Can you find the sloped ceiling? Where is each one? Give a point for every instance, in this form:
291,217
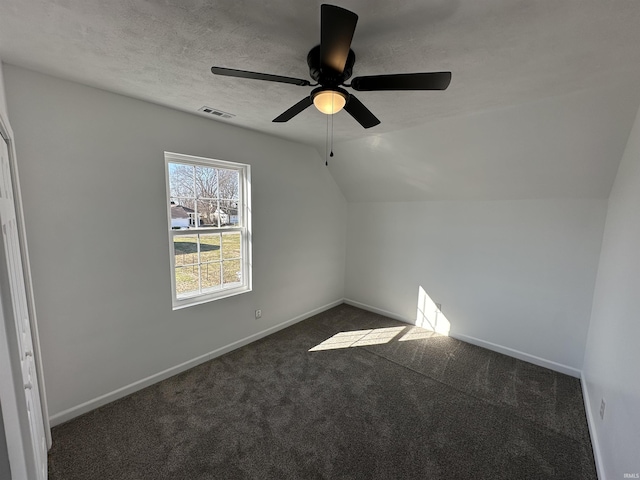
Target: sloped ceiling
501,52
563,147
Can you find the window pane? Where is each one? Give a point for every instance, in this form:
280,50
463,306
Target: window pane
207,210
230,245
210,275
229,184
230,209
232,271
188,204
206,182
185,248
182,213
210,248
181,180
187,281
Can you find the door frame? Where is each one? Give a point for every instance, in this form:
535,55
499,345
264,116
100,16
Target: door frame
9,384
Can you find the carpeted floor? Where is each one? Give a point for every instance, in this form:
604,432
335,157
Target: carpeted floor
346,394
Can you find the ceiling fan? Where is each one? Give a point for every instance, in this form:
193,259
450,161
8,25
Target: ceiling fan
331,64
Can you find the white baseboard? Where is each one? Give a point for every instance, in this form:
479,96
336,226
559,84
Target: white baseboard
527,357
85,407
379,311
542,362
592,430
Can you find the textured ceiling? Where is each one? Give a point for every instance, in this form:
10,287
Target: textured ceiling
501,53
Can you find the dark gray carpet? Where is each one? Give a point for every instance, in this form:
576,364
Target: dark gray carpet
417,406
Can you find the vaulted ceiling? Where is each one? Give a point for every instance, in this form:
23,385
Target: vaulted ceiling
503,54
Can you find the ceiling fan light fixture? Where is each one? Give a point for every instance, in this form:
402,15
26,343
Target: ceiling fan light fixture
330,101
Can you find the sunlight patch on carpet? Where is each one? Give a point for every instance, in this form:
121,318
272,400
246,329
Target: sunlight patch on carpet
359,338
418,334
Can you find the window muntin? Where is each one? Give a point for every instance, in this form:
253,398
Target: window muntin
209,228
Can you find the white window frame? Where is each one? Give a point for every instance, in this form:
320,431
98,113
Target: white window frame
244,228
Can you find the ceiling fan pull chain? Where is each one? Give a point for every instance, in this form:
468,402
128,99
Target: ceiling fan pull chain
332,96
326,144
331,154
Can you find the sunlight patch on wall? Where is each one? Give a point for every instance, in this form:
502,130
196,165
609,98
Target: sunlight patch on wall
359,338
429,316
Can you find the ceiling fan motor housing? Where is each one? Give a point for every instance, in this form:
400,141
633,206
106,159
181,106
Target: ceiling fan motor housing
327,77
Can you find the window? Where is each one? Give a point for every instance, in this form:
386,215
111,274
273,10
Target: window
209,218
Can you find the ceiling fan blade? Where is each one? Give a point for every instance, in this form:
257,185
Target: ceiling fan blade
403,81
293,111
336,32
230,72
361,113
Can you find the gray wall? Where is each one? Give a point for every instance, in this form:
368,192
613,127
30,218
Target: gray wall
518,274
612,359
5,469
93,185
498,215
3,100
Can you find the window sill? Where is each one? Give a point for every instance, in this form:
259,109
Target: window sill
211,297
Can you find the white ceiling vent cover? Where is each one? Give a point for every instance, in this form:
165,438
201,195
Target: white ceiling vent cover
215,112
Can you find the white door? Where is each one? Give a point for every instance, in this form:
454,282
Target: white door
18,298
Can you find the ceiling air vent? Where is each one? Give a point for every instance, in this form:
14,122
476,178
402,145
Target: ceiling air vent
215,112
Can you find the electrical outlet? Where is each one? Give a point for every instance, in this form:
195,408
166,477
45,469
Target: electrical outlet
602,406
258,313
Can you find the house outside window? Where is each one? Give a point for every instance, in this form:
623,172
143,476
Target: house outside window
209,219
